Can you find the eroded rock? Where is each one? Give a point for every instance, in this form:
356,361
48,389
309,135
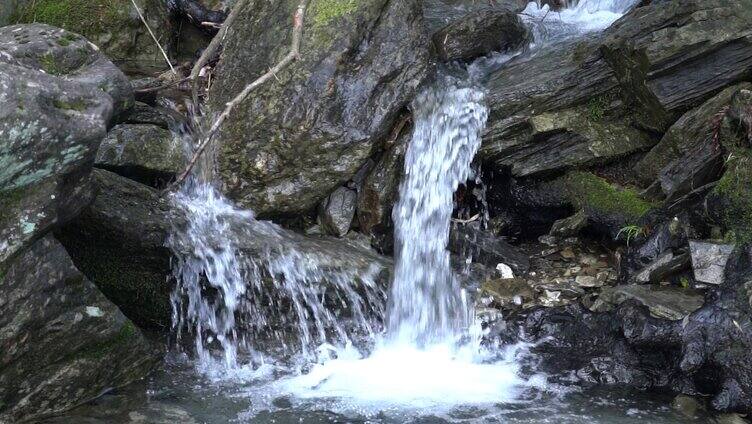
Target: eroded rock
480,33
709,260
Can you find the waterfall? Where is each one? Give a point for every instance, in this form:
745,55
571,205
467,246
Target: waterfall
426,303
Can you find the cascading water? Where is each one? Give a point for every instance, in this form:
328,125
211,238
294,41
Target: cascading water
429,356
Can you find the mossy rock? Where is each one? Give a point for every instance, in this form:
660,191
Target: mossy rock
609,208
113,25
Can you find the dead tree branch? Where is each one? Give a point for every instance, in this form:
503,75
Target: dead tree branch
213,47
294,54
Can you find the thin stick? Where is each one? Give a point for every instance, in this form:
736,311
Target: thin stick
213,46
294,54
154,37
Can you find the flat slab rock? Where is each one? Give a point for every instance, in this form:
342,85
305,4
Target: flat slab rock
668,302
709,261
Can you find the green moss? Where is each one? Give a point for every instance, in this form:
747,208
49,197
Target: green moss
49,65
77,105
590,192
325,11
86,17
736,189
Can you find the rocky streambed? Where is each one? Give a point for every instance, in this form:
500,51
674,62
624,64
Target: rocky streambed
606,232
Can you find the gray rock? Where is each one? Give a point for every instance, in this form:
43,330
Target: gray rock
63,342
666,264
482,246
142,113
569,226
687,156
308,131
50,129
64,54
668,302
709,260
338,211
146,153
440,13
129,223
480,33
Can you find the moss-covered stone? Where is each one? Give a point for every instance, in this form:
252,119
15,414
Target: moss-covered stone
113,25
596,195
324,11
735,187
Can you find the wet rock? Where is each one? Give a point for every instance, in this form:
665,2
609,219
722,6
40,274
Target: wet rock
50,129
663,77
709,261
484,247
687,406
338,211
569,226
688,146
67,55
63,342
480,33
665,265
508,292
114,27
440,13
146,153
142,113
299,137
128,223
672,303
378,194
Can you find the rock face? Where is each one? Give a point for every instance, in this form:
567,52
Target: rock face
63,342
439,13
480,33
298,137
482,246
114,26
145,153
709,261
64,54
128,223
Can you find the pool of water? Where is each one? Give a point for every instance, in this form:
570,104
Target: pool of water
176,393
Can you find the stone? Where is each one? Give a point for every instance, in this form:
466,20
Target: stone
468,240
146,153
142,113
480,33
338,211
129,223
665,265
682,143
287,147
50,129
569,226
508,291
668,302
588,281
440,13
505,271
63,342
64,54
114,26
709,261
662,74
688,406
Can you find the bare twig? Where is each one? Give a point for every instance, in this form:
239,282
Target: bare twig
294,54
212,48
161,87
154,37
466,221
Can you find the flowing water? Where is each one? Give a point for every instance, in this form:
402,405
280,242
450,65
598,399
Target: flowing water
274,332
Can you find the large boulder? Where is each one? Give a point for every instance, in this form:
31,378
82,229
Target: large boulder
114,26
62,342
129,223
440,13
50,129
67,55
480,33
311,128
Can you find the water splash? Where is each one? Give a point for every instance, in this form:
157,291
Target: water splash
582,17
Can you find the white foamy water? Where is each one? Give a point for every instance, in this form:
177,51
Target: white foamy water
584,17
